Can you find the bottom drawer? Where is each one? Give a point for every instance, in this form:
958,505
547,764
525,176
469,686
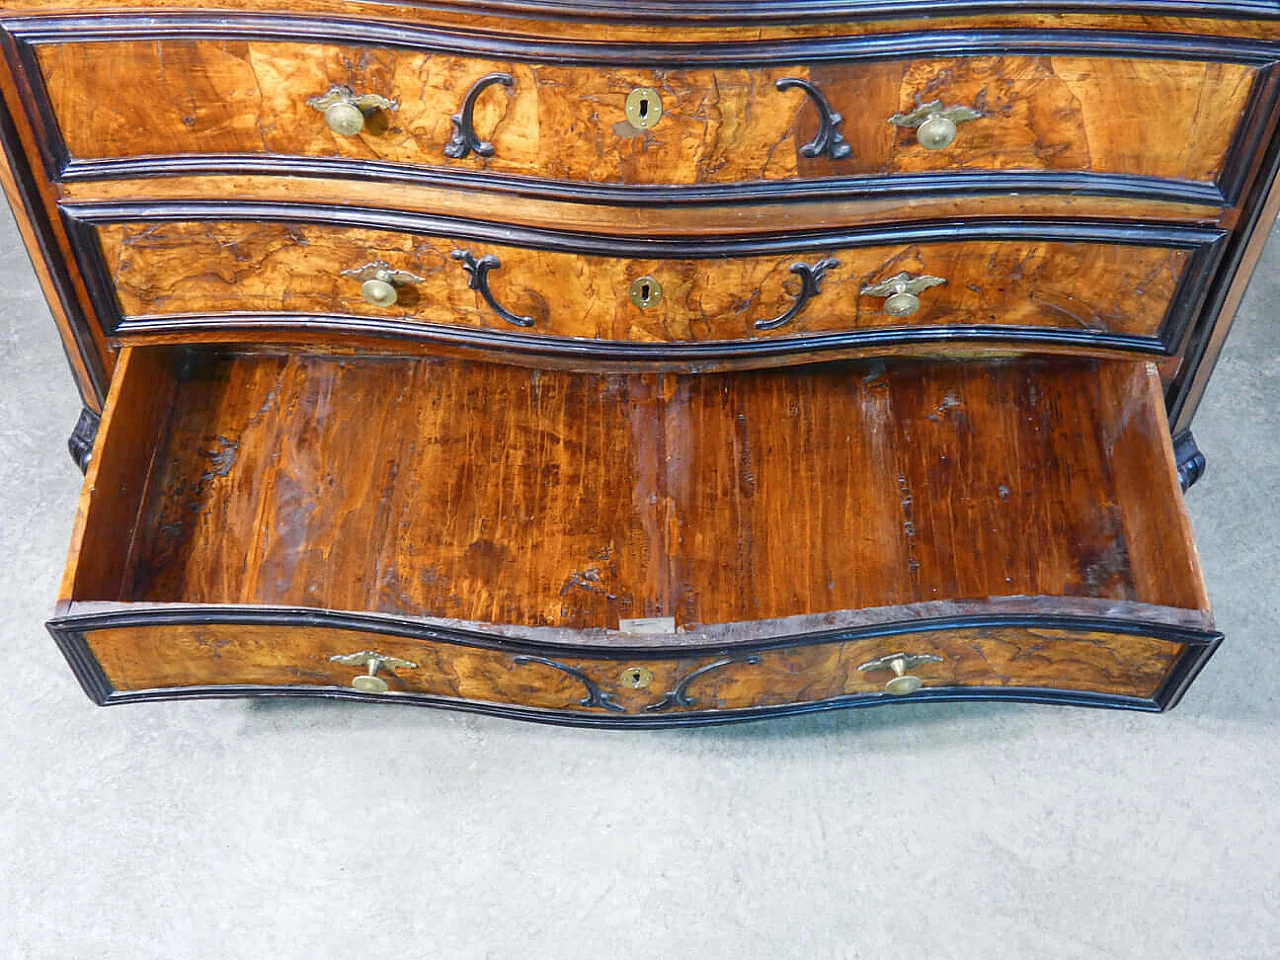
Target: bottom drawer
494,538
159,654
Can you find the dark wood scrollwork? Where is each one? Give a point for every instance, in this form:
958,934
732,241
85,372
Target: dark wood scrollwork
465,140
479,273
595,696
829,142
811,277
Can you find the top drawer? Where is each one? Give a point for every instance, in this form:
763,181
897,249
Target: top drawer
1160,116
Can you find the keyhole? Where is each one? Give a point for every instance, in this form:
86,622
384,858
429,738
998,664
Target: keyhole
645,292
644,108
637,678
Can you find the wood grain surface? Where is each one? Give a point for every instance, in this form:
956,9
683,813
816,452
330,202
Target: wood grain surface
498,495
25,183
142,658
116,483
207,268
672,220
1157,118
750,21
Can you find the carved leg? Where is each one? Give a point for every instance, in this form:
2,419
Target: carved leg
80,443
1190,460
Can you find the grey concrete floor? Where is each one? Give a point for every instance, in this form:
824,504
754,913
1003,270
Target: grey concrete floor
266,829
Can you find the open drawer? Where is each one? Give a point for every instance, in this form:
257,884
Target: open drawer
632,549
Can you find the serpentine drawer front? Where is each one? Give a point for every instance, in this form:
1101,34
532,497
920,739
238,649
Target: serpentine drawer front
906,105
1033,658
293,486
1096,286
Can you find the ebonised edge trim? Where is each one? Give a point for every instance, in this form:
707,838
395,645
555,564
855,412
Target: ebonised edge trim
83,664
653,246
70,634
797,190
1198,361
29,32
1038,695
1204,243
916,44
128,615
612,350
28,181
815,11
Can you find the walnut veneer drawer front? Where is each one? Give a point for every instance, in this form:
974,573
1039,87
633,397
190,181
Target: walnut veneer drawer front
1142,108
1091,285
1043,660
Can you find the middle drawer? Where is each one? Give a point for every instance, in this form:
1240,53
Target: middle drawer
1076,286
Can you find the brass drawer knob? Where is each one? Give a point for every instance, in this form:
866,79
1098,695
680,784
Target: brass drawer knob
380,282
936,126
903,682
902,292
345,111
369,681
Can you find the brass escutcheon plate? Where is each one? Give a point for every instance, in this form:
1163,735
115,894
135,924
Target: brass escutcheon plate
637,678
645,292
644,108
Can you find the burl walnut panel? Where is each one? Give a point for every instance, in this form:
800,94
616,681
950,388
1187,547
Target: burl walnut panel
142,658
1156,118
493,494
209,268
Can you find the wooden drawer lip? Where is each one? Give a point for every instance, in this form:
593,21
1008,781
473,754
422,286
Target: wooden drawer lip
406,36
246,326
399,35
70,633
28,33
834,189
1204,243
665,12
804,11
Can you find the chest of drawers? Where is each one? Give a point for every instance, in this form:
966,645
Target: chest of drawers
638,364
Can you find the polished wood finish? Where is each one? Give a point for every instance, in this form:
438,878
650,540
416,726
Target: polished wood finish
646,219
481,493
1240,40
26,185
1250,246
202,268
1159,118
746,22
285,473
165,656
116,483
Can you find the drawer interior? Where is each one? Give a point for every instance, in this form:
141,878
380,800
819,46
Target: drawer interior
496,495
